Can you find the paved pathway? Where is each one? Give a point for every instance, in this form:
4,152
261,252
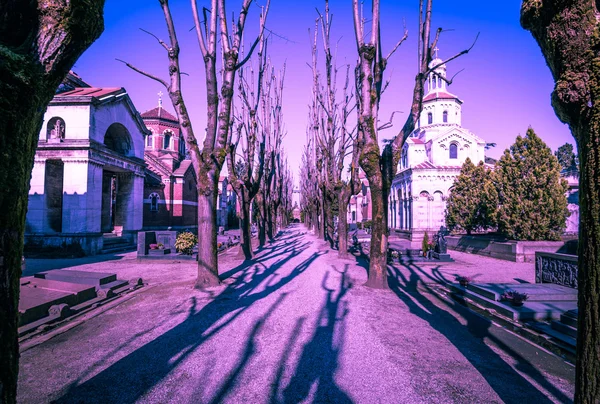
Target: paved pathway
294,326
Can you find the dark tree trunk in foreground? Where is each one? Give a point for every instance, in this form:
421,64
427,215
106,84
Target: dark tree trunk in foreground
567,33
33,62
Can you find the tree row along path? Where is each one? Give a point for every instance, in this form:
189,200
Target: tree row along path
294,325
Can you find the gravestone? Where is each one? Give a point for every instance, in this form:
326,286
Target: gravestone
167,238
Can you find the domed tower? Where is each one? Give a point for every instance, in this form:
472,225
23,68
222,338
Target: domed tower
165,141
440,107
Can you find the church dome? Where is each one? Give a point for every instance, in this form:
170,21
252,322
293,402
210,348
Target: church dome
436,62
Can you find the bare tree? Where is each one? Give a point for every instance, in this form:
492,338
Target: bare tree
37,49
333,140
269,196
567,33
208,162
246,174
380,167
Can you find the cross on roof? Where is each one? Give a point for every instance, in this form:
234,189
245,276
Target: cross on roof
160,94
436,51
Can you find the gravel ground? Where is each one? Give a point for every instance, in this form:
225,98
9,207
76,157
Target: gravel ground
295,325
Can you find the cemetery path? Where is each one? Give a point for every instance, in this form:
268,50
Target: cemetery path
295,325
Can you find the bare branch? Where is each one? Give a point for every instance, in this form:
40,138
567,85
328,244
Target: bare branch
198,27
399,43
464,52
389,123
160,41
143,73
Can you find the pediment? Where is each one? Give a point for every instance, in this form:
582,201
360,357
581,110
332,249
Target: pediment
457,134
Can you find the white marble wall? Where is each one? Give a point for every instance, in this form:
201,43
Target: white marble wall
76,117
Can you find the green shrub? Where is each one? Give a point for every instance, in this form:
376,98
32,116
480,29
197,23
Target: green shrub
425,243
367,224
185,242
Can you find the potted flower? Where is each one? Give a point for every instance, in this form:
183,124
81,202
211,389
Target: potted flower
153,246
160,246
464,280
515,298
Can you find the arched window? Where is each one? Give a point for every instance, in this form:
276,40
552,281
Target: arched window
118,139
55,128
154,202
434,82
453,151
429,118
149,139
167,141
445,117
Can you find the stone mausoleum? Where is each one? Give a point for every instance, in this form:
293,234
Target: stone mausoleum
88,176
431,160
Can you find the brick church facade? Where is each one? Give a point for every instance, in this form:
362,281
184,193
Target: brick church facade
170,191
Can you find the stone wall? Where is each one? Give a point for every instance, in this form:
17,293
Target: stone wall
560,269
516,251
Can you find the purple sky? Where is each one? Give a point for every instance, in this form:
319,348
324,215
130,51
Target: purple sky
505,86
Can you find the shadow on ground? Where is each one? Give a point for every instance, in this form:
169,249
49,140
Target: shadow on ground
469,340
128,379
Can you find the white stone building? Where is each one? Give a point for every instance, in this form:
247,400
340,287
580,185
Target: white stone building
88,176
431,160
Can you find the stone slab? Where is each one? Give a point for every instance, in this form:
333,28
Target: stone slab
80,277
38,295
531,310
536,292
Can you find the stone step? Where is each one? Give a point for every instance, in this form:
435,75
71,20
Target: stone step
117,248
569,318
80,277
537,292
109,241
567,341
537,311
565,329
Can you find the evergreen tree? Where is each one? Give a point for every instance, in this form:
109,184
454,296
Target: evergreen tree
473,200
566,157
532,201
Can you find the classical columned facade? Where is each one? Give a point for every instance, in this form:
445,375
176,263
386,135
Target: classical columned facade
88,174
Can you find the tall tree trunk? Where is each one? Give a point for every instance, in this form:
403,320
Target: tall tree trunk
208,268
246,237
343,224
329,225
262,220
323,218
588,325
567,33
379,239
33,62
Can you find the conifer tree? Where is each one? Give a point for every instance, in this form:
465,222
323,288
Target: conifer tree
473,200
566,157
532,201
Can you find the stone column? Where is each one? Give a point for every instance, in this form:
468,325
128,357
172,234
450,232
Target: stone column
75,197
36,210
94,197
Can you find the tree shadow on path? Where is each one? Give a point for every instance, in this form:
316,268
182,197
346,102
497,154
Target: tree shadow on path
134,375
319,359
501,377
